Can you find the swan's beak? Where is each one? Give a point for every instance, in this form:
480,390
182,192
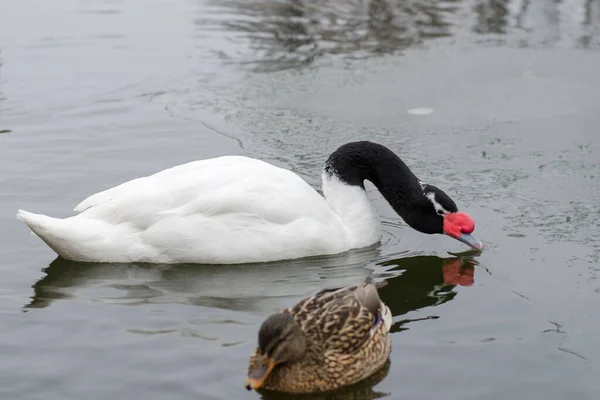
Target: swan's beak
470,240
459,225
257,376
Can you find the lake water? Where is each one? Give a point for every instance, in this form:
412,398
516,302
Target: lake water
495,101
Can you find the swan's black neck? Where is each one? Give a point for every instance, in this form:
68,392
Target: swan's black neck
355,162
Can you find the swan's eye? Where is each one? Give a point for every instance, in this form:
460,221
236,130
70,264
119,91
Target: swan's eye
439,209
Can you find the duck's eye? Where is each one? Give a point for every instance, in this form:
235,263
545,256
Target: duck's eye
440,212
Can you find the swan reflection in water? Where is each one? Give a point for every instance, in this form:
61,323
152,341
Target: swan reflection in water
258,288
424,281
411,283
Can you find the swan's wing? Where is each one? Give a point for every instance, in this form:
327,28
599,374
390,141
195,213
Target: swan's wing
146,183
247,188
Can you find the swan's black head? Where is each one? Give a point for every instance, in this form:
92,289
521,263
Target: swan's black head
425,208
428,207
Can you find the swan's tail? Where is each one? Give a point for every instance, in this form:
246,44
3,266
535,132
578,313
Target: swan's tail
55,232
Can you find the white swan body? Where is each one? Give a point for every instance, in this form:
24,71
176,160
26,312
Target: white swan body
225,210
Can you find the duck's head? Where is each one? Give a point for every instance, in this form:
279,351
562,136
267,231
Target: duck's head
435,212
280,340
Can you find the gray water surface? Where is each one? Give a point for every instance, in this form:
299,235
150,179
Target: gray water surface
94,93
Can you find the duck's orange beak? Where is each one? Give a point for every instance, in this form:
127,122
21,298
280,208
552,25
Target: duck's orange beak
258,375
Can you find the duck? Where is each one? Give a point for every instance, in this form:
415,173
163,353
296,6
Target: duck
333,339
236,209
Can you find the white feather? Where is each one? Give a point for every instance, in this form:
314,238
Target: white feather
386,315
437,206
224,210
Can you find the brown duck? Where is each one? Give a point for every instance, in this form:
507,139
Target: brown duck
330,340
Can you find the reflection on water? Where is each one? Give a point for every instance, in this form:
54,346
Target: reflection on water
295,33
287,34
249,287
591,23
424,281
411,283
492,16
534,23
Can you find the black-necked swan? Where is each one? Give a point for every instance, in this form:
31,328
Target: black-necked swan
235,209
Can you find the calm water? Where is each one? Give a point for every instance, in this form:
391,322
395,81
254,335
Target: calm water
96,92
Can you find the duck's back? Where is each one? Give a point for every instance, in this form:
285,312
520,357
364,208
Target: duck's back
347,331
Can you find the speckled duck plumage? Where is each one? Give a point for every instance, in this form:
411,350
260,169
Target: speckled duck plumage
330,340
